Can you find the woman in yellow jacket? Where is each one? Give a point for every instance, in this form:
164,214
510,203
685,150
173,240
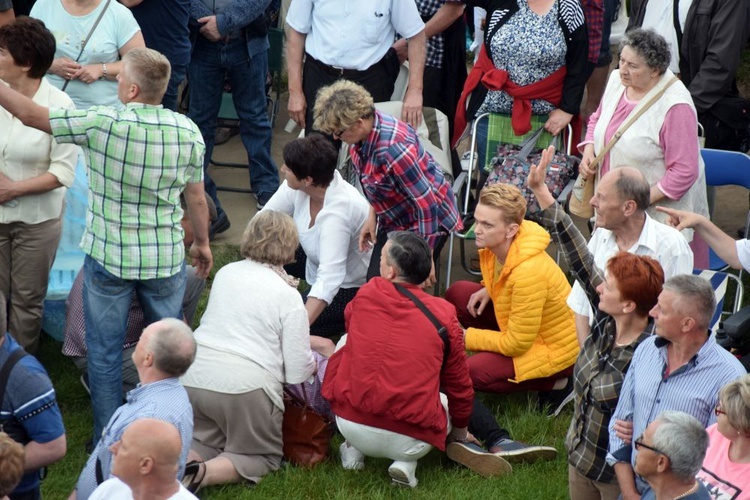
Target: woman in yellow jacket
516,320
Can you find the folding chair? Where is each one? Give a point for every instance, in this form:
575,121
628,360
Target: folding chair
726,168
719,282
470,170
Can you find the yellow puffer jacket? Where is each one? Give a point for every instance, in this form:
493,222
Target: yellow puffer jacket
537,327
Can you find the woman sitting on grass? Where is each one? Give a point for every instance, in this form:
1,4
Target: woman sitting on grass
253,337
621,299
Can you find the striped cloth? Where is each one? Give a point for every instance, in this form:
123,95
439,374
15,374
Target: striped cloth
650,389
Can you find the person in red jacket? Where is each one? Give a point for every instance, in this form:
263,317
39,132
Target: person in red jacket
399,385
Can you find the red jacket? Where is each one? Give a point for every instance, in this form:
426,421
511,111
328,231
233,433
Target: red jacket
484,71
389,373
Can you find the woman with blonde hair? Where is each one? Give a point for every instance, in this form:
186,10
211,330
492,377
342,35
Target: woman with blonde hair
253,337
516,320
726,468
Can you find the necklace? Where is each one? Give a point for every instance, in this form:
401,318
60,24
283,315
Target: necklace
692,490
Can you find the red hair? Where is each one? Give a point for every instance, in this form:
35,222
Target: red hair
639,278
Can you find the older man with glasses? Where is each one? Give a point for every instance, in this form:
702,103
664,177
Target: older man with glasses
669,454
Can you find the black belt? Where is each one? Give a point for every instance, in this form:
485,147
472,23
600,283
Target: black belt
341,72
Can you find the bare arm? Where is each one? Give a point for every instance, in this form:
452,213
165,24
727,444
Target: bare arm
444,17
295,48
10,190
417,51
40,454
721,243
314,307
200,251
131,3
92,72
30,113
626,480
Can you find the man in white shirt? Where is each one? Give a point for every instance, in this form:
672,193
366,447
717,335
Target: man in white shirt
354,41
146,460
621,200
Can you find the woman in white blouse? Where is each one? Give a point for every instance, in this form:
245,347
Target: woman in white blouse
329,214
253,338
34,173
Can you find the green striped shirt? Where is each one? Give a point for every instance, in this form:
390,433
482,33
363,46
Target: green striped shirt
139,160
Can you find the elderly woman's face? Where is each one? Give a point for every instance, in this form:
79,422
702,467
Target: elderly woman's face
722,423
635,72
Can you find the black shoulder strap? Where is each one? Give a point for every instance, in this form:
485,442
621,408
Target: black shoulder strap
442,331
676,22
7,368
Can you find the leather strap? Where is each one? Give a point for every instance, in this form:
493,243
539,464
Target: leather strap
442,331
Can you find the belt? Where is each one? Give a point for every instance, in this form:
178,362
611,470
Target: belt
336,71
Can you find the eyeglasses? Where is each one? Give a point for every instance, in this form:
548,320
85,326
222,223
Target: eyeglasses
340,132
718,411
640,444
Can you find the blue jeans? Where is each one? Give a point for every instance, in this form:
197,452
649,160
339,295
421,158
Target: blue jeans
247,76
106,302
169,100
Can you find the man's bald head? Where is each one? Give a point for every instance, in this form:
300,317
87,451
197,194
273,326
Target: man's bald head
148,450
630,184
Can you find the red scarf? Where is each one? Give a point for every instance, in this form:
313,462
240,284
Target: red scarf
484,71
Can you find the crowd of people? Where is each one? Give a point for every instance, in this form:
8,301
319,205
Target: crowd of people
660,410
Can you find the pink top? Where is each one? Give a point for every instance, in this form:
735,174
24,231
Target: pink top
678,128
723,478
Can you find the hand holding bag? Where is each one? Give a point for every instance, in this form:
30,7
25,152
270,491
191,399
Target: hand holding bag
583,191
306,434
511,166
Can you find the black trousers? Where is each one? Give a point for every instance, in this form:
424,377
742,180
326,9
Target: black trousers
484,426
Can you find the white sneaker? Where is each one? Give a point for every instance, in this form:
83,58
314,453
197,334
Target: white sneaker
403,473
351,457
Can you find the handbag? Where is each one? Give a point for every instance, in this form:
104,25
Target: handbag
86,40
306,434
583,190
511,166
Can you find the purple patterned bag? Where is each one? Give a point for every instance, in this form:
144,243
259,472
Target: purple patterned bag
511,166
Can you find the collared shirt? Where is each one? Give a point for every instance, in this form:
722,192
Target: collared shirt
164,400
436,43
139,160
353,34
659,241
601,366
26,153
650,389
743,252
402,182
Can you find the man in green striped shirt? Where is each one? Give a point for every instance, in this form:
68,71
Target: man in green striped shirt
139,158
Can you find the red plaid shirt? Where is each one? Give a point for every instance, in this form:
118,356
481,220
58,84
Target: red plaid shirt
402,181
593,10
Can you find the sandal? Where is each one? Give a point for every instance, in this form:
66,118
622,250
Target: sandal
193,477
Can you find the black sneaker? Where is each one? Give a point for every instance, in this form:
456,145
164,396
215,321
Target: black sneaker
549,402
263,199
220,225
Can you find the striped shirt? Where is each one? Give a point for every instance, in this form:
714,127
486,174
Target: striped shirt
402,181
650,389
140,159
601,366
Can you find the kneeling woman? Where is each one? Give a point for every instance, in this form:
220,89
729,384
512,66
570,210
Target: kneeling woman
253,338
329,214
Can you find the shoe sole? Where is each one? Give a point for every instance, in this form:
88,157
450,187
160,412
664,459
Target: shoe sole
484,464
530,454
399,478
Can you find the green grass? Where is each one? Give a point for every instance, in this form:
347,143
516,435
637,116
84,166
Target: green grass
438,476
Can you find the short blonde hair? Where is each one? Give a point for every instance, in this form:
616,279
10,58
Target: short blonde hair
11,464
735,401
340,104
270,238
506,198
150,70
